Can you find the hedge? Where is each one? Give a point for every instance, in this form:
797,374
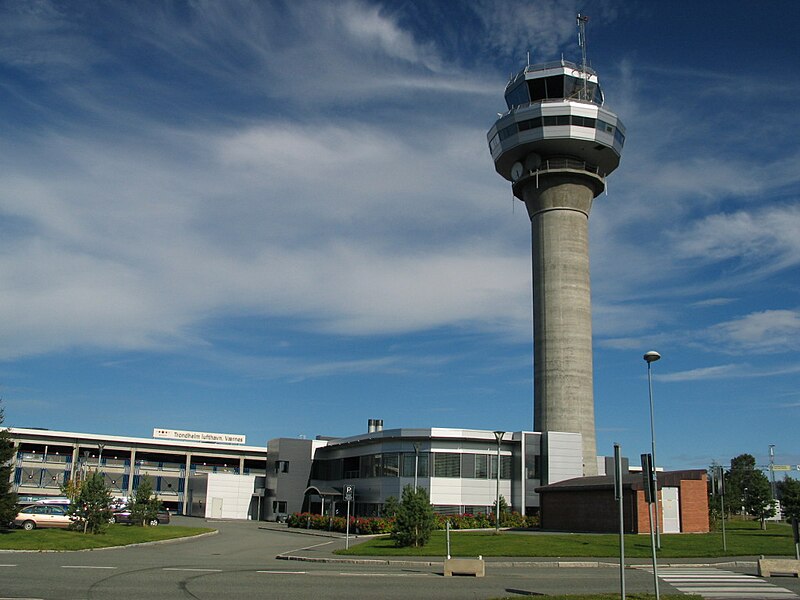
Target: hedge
375,525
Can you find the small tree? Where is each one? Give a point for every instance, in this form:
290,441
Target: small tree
736,480
8,499
91,508
758,498
144,504
390,507
504,511
790,497
415,518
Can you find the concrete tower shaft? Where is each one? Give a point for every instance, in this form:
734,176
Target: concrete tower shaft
556,144
558,206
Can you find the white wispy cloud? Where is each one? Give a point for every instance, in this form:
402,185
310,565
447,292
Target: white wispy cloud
761,332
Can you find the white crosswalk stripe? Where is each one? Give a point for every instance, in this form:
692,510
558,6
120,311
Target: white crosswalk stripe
719,584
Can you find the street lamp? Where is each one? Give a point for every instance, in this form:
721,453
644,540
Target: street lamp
772,468
416,464
651,357
499,437
100,455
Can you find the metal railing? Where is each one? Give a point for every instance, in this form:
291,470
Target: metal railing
555,164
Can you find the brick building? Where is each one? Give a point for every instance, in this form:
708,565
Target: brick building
588,504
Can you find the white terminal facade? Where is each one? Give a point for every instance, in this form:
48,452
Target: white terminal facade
458,467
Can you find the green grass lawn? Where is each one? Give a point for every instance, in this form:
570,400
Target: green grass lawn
115,535
744,539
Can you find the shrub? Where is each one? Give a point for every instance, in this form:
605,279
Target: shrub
378,525
415,518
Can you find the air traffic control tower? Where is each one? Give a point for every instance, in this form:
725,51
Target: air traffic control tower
556,145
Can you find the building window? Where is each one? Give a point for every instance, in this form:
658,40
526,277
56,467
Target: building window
505,467
350,467
446,464
281,466
468,465
371,465
408,464
391,465
481,466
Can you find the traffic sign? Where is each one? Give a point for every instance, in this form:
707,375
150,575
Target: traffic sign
349,492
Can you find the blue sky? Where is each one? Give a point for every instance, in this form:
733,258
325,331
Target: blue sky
282,219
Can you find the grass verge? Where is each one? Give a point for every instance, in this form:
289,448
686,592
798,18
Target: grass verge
743,539
115,535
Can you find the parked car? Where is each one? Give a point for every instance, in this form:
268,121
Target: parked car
124,516
43,515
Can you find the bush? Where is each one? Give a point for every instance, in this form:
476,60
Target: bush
415,519
378,525
91,507
144,505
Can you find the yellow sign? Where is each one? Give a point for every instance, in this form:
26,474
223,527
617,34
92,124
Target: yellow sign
781,467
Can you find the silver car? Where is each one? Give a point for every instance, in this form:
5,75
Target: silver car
43,515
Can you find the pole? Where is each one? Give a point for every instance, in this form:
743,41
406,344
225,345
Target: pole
416,464
772,469
618,494
652,357
721,481
653,546
499,436
447,528
347,529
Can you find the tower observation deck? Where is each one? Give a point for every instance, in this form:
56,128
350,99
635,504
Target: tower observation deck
556,144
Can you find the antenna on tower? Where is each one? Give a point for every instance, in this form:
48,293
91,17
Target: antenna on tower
582,20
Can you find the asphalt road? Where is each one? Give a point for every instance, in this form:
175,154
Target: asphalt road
240,562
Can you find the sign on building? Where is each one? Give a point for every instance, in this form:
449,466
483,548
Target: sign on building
198,436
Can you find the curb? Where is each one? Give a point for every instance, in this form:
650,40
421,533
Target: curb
555,564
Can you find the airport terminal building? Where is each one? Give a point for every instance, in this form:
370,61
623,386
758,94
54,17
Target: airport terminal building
45,460
213,478
218,476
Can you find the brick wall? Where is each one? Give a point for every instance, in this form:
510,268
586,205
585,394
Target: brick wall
694,506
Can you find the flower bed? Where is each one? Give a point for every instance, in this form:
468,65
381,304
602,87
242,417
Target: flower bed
376,525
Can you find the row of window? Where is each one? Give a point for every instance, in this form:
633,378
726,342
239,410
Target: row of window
555,120
555,87
401,464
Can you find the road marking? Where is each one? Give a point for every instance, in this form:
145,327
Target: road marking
308,547
84,567
284,572
717,583
4,598
7,566
343,574
193,570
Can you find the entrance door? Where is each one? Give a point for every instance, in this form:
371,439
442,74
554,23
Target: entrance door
216,508
670,507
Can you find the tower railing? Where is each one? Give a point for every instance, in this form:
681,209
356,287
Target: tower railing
573,164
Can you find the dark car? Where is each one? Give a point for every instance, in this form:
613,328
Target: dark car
124,516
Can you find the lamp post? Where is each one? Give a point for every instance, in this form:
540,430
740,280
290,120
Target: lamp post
416,464
651,357
99,455
499,437
772,468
